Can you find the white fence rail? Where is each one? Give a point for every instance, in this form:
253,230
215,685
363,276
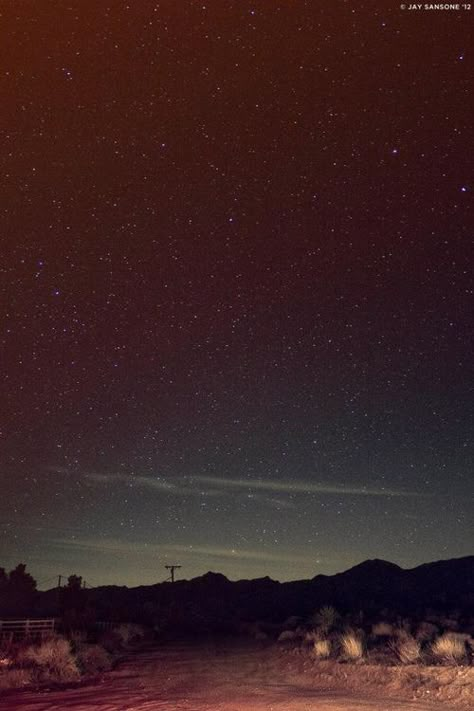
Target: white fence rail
19,629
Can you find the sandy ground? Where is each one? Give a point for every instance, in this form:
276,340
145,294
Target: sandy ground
209,678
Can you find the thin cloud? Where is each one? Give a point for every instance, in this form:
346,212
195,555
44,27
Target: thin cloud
161,550
239,553
183,487
134,481
303,487
106,545
203,486
178,487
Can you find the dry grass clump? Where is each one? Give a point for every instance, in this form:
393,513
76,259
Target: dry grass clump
406,648
321,648
352,646
52,659
449,648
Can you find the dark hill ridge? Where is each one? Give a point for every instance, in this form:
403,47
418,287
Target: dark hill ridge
371,586
372,566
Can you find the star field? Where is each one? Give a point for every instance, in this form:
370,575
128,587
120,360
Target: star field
236,287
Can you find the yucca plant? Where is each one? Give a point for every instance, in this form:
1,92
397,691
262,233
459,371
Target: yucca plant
325,618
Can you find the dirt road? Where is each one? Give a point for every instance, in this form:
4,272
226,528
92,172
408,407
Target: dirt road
205,678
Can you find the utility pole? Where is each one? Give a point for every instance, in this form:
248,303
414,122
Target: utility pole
58,593
172,568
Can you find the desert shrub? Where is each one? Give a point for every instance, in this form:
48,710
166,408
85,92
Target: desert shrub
53,659
326,617
292,622
130,633
93,658
382,629
449,623
426,631
406,648
403,626
352,645
15,678
449,648
287,636
321,648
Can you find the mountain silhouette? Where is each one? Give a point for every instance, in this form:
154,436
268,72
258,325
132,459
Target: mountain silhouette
375,587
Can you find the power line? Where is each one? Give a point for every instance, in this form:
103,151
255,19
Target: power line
44,581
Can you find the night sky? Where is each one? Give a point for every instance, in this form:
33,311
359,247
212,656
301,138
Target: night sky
236,287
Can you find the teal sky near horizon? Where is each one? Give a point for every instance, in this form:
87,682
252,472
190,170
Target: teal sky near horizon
236,288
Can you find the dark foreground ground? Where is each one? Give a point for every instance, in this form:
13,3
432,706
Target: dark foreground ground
217,678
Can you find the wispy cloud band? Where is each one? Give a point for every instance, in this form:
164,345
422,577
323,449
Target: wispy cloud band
134,480
302,487
133,548
218,486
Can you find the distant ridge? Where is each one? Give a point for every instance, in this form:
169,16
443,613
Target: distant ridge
373,564
373,586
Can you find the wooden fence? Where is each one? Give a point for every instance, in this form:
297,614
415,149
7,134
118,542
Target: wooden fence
20,629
